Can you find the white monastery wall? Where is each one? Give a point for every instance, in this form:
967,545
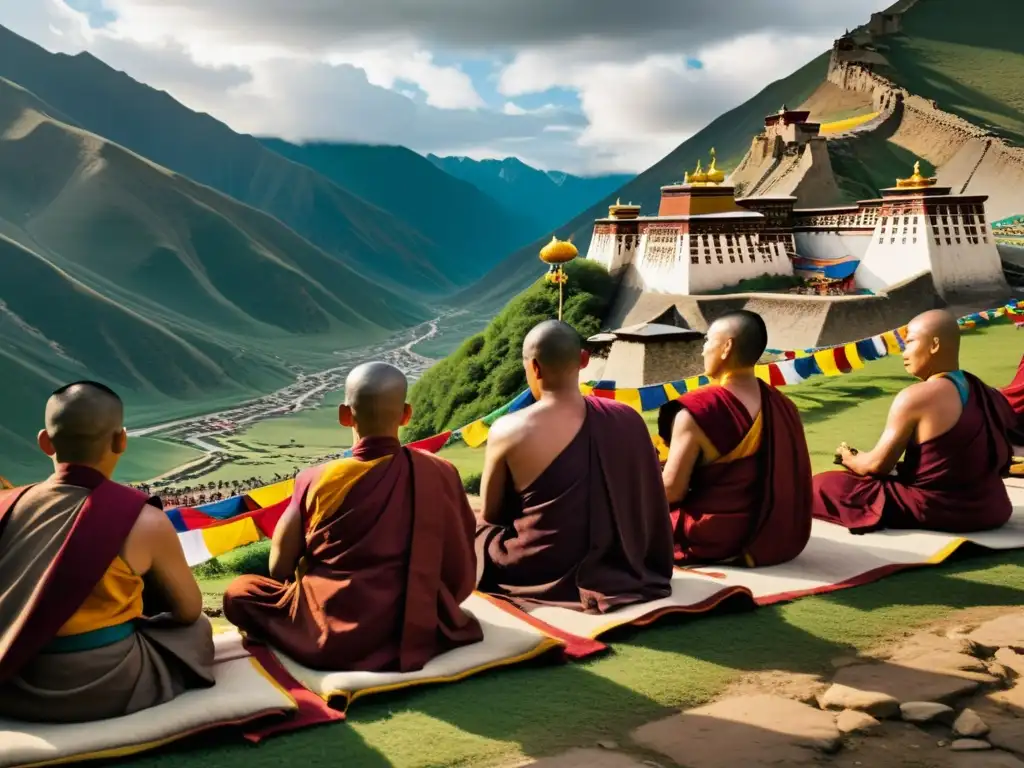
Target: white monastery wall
832,244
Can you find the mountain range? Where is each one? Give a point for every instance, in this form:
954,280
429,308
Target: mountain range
545,198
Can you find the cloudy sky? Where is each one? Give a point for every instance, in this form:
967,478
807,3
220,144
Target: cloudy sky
585,86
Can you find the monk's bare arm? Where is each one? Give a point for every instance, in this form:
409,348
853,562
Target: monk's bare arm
286,545
904,415
496,474
168,570
682,456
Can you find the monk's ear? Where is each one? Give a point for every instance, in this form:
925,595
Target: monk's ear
406,415
535,367
345,417
45,443
119,442
584,358
726,349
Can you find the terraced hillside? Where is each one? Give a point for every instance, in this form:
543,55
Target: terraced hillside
375,241
117,269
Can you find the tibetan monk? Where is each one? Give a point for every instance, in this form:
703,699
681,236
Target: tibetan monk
574,513
738,473
1014,392
373,556
950,429
83,562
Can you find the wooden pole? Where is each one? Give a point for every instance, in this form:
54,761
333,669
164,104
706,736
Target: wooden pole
561,289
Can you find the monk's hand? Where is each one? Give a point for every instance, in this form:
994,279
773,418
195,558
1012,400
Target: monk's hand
844,454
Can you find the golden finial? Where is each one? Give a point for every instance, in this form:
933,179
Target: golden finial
714,175
558,251
698,176
917,180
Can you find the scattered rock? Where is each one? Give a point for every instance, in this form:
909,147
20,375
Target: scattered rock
1010,658
1004,632
905,683
926,712
970,725
970,745
754,731
587,758
852,721
874,703
941,743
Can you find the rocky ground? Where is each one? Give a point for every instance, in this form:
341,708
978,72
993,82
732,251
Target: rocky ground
947,697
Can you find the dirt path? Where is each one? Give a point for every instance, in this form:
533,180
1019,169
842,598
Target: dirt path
944,697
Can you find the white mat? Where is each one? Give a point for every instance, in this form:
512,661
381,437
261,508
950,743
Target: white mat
834,558
243,692
507,640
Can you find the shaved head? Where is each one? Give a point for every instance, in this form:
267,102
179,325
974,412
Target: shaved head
749,335
938,324
82,420
376,394
552,355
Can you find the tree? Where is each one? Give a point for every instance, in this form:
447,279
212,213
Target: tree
486,371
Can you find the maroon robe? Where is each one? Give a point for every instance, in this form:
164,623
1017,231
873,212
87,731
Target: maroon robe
592,532
1014,392
382,577
951,483
757,508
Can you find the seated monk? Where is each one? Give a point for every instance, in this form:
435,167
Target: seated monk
79,554
1014,392
373,556
574,513
738,473
951,430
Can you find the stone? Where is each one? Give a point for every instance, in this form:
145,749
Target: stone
926,712
1011,659
754,731
970,725
904,683
588,758
874,703
852,721
1004,632
970,745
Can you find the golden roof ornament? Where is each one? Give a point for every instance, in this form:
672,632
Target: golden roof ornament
714,176
698,177
558,251
917,181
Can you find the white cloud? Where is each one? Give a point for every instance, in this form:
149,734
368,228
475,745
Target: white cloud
388,71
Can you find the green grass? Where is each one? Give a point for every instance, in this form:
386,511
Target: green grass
966,56
150,457
537,710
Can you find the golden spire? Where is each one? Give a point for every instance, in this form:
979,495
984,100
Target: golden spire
698,176
714,175
917,181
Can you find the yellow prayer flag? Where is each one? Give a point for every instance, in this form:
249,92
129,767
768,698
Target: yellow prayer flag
269,495
475,434
224,538
586,390
630,397
891,345
826,360
692,383
763,372
671,392
853,357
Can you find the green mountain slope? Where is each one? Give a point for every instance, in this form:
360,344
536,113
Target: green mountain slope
117,269
151,123
968,57
730,135
455,215
548,199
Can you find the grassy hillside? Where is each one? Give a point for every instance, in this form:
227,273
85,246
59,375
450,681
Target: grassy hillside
486,371
456,216
968,57
730,135
374,242
547,199
117,269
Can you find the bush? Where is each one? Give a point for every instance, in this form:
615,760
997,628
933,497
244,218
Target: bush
471,483
251,559
486,371
211,569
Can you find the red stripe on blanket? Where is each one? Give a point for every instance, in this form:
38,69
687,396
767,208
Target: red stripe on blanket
313,710
576,647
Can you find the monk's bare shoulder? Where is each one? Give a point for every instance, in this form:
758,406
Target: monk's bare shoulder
919,396
509,429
